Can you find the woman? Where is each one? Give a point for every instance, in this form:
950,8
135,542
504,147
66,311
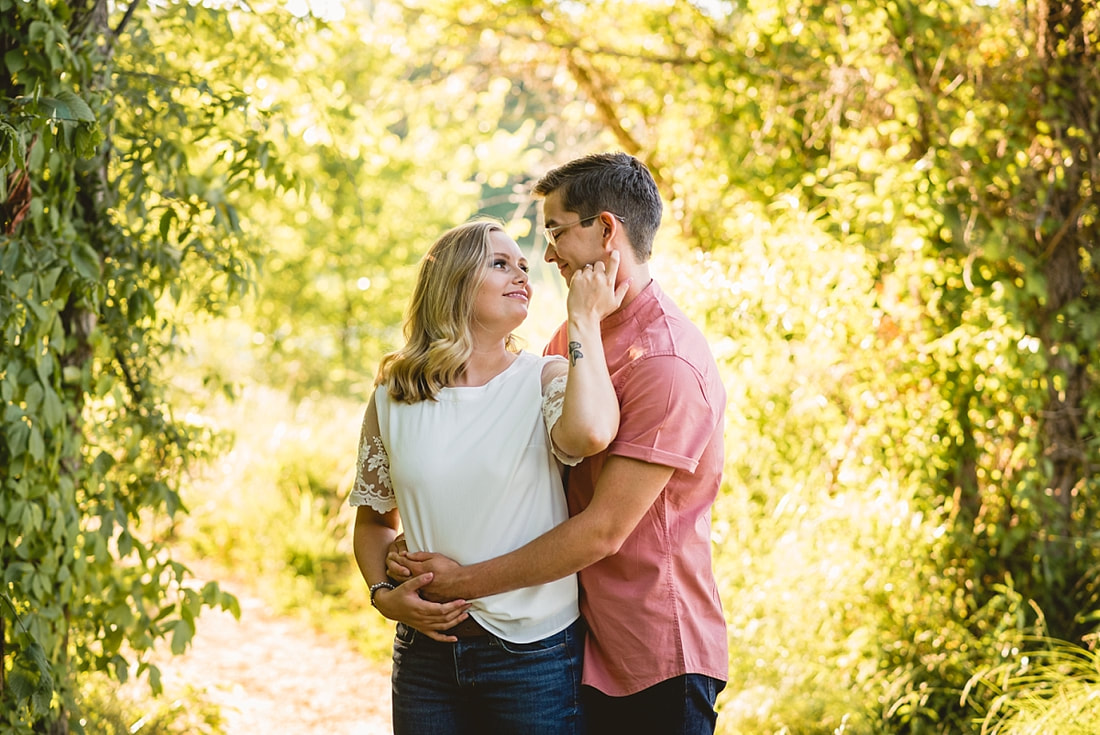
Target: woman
461,445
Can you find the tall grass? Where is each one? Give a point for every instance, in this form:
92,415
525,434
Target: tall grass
1052,687
131,710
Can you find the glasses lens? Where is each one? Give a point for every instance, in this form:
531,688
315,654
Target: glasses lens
551,233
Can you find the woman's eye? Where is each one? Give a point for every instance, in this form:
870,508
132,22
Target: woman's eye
525,268
499,264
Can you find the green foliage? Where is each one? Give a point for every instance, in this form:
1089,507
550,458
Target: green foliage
30,679
102,235
949,382
1045,686
286,520
885,214
404,137
875,219
108,709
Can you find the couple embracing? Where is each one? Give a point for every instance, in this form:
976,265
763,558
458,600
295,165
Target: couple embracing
556,508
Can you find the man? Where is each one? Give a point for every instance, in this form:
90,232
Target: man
656,655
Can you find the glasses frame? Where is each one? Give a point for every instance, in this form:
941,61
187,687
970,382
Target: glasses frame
551,233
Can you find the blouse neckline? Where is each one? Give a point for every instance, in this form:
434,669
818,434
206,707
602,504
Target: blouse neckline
459,390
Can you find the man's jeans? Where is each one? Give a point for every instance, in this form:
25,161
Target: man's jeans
487,685
683,705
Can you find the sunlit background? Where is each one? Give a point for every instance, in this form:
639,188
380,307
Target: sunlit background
883,215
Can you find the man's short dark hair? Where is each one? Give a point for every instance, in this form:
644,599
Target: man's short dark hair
613,182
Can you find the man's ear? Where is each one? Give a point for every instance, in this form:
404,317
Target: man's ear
607,230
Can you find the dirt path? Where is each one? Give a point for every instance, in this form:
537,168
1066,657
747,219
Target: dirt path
278,676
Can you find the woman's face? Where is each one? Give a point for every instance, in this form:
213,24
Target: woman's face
504,295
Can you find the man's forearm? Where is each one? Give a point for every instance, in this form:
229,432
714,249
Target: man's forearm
624,493
561,551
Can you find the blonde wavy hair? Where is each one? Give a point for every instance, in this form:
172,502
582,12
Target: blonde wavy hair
437,322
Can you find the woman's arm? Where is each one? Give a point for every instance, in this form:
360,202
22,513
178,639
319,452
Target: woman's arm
590,413
373,534
377,524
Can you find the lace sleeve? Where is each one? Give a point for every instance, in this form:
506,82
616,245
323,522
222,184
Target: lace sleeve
553,399
372,468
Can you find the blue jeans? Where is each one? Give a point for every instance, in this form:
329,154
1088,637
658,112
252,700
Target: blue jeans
487,685
683,705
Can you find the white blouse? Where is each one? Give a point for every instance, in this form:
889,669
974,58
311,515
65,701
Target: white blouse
474,475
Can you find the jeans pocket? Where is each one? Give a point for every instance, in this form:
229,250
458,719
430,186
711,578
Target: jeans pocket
405,634
550,645
529,649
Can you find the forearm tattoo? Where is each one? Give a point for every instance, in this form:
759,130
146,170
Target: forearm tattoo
575,352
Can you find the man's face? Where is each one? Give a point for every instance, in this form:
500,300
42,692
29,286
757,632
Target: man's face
576,243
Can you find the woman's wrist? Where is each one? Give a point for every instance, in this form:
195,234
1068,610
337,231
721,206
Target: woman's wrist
374,588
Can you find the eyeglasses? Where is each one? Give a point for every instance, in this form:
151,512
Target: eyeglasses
551,233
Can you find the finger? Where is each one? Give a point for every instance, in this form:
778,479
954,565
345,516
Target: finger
454,611
455,607
417,555
451,618
417,582
441,624
613,265
621,289
440,637
397,570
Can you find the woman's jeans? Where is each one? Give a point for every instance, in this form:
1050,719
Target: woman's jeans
485,684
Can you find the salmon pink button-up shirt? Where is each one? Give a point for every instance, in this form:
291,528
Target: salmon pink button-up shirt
653,609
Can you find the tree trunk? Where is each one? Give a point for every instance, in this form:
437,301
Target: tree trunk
1070,61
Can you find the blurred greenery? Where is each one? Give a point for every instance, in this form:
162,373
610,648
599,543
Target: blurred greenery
113,710
884,215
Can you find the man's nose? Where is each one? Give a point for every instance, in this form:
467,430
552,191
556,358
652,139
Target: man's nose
551,255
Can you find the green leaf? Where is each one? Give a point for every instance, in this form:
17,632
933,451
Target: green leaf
38,31
182,633
13,413
53,412
33,397
102,463
75,107
15,60
33,657
154,680
23,285
18,436
45,368
85,260
36,445
48,281
166,220
22,685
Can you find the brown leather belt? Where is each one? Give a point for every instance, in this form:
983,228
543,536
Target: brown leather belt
468,628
